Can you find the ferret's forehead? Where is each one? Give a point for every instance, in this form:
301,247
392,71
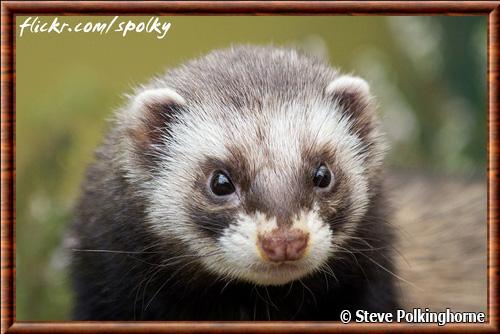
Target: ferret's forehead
250,77
279,136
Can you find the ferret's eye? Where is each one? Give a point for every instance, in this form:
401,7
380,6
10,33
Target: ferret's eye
221,185
322,177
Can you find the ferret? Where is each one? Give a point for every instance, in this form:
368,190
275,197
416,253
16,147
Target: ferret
247,184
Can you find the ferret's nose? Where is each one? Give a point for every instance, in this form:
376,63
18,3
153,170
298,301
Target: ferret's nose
283,244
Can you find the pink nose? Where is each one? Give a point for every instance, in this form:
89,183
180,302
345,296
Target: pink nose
283,244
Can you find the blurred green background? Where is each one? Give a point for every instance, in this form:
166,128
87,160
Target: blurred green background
429,74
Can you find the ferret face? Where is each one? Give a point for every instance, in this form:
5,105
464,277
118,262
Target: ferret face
264,192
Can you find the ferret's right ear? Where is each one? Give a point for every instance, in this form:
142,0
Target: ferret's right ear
148,120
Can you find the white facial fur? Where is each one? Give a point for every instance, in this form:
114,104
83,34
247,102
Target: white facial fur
242,258
199,134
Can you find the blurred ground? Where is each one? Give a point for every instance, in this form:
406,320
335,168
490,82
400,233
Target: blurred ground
441,251
429,74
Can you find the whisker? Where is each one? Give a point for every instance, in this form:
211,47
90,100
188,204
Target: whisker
309,290
112,251
390,272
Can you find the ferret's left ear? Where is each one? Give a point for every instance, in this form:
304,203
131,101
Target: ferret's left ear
351,94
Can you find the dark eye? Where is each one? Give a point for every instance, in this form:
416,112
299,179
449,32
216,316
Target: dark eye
322,177
221,185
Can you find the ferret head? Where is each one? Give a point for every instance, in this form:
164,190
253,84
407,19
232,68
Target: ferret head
260,162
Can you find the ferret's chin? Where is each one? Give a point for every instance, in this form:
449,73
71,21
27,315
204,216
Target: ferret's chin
281,274
275,273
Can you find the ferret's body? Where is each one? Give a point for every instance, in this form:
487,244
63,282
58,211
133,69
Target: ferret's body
246,185
152,279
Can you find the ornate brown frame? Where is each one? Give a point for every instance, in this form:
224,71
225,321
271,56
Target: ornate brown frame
12,8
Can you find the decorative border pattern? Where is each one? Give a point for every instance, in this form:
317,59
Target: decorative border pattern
9,10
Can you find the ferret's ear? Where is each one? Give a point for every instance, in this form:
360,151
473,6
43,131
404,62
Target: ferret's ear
351,94
148,121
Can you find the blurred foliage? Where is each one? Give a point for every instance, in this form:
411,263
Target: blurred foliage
429,74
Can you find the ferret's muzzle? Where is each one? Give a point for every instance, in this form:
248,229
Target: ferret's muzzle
283,244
